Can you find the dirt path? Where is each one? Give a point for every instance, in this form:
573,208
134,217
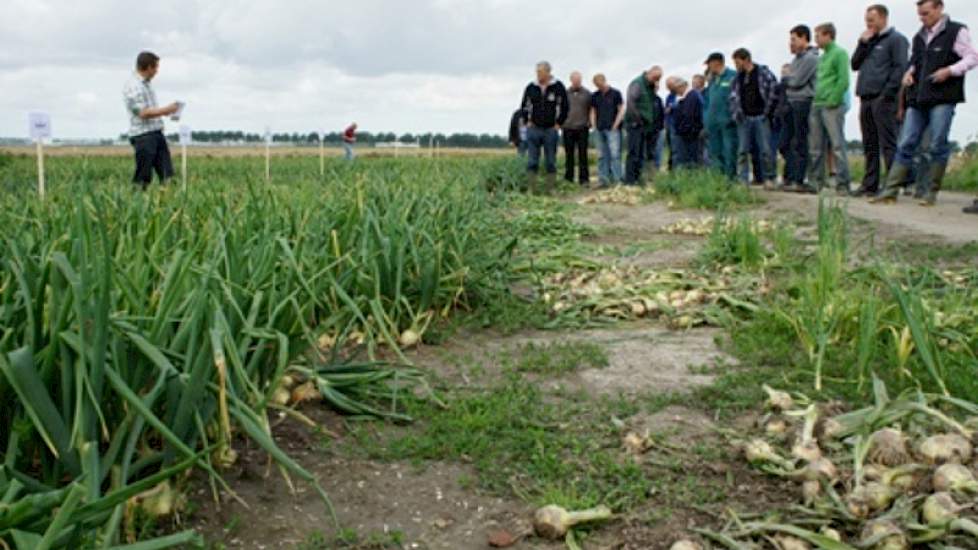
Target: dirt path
945,221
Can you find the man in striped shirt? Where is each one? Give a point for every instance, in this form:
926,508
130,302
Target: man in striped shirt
146,123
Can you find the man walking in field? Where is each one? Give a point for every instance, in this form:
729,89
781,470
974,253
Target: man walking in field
721,130
753,101
577,135
349,140
881,60
545,109
607,115
640,122
799,87
827,120
146,123
943,54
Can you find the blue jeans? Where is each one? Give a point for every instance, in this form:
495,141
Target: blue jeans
546,139
755,131
827,126
521,149
938,120
796,130
348,153
609,156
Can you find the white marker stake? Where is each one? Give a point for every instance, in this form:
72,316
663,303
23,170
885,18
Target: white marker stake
39,127
431,146
322,155
185,136
268,155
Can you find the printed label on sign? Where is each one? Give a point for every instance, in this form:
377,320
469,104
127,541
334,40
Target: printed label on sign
40,125
185,135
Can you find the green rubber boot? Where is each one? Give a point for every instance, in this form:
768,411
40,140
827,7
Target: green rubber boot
891,189
937,172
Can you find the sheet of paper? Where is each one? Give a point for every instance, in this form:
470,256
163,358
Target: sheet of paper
39,125
180,106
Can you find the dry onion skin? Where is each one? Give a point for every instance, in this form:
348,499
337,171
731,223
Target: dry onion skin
940,509
868,499
791,543
778,401
946,448
888,447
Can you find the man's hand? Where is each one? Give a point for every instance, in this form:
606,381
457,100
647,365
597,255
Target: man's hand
942,75
171,108
785,71
867,36
908,79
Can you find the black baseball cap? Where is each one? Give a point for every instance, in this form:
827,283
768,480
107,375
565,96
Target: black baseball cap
715,56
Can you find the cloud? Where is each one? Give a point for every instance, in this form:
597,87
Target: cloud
440,65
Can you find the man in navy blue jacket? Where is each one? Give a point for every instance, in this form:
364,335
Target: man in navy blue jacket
687,120
545,109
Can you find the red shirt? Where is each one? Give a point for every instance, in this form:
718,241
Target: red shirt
350,135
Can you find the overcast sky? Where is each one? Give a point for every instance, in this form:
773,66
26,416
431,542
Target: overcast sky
403,66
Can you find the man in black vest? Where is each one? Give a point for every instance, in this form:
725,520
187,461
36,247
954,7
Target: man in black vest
942,54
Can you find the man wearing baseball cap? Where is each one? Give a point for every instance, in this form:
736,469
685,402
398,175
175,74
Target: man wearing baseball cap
721,129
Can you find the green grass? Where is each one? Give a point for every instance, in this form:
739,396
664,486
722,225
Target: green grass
703,190
963,176
555,359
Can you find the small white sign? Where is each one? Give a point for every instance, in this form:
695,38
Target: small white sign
268,135
40,125
185,135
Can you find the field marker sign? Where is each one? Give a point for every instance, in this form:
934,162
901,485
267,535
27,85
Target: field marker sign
268,154
39,128
186,136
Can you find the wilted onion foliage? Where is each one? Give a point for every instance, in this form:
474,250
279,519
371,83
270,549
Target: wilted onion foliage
140,333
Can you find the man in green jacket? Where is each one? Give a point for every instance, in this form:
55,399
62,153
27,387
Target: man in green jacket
639,119
720,127
828,112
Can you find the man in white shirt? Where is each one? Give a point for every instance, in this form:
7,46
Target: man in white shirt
146,123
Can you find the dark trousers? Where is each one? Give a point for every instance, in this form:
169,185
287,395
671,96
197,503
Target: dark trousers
637,143
686,151
796,133
152,155
877,118
576,144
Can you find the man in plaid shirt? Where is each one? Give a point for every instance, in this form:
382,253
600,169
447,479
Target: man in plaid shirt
146,123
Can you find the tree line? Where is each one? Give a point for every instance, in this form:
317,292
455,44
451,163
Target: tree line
465,140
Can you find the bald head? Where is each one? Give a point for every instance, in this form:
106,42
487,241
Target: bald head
576,79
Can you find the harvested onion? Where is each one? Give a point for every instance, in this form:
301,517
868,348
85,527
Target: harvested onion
955,478
759,451
409,339
888,447
887,535
940,509
940,449
778,401
685,545
870,498
553,522
791,543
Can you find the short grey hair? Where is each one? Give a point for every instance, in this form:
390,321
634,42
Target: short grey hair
545,65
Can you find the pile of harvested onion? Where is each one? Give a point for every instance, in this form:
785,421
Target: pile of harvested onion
628,196
899,475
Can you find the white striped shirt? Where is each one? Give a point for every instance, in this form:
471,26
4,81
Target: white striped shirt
138,94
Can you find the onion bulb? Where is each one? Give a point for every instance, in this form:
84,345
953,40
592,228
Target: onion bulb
888,447
811,491
791,543
870,498
553,522
776,426
954,478
685,545
830,533
759,451
940,509
940,449
887,535
281,396
821,469
305,392
830,429
778,400
409,339
808,451
160,501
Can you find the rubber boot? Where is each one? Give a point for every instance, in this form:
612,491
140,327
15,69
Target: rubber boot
937,172
550,184
533,183
973,209
891,189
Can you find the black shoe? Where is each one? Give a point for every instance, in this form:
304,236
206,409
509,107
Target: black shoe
865,192
807,190
909,191
973,209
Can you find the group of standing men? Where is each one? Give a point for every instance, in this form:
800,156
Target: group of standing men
746,116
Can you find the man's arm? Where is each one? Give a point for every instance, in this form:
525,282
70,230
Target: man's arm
966,51
900,58
634,93
863,49
136,104
524,110
841,70
565,105
620,117
804,74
